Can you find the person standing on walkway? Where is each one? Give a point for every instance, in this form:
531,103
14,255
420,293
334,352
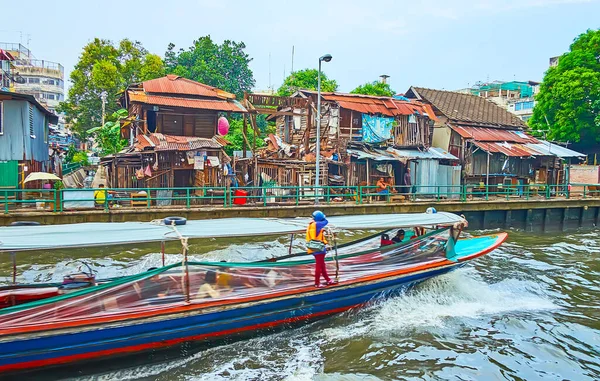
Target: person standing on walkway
316,244
407,181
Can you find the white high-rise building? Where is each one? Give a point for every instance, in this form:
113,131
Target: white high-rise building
40,78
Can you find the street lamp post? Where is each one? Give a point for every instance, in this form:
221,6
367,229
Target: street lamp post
326,58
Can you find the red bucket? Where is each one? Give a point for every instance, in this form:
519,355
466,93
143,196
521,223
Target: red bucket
239,197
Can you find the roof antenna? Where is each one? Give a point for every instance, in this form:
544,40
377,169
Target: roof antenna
269,70
292,58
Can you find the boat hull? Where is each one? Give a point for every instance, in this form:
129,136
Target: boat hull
102,342
62,347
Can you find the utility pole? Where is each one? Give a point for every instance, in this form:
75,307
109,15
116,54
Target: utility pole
103,96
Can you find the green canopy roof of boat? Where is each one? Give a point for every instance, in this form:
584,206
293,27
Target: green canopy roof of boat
19,238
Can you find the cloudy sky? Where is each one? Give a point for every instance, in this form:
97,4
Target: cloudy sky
438,44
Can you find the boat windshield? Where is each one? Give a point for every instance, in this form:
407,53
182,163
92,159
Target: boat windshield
197,284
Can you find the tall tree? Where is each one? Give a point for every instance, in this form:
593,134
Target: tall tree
103,67
375,88
568,104
306,79
224,66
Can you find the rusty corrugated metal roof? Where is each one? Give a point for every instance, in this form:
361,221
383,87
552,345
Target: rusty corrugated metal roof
161,142
173,84
510,149
203,104
378,105
483,134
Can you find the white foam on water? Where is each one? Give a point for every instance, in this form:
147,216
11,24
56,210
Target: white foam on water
298,358
438,301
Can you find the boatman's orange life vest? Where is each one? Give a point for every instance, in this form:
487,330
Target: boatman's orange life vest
311,233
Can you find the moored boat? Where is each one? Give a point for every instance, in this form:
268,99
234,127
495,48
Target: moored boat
205,302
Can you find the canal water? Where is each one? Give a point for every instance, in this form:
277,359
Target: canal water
528,311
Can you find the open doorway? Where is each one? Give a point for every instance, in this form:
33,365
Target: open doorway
183,178
151,116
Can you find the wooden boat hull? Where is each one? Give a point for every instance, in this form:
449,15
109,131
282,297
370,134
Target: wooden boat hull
64,346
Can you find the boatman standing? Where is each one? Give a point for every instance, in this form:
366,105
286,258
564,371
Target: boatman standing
317,246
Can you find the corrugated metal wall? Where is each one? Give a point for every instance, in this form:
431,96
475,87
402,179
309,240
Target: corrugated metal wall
17,142
9,173
428,175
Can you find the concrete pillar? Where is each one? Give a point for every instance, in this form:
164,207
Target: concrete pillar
529,220
508,219
546,220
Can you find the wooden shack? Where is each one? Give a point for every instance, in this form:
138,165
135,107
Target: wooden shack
174,142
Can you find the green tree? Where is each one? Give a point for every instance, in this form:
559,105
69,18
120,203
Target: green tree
375,88
224,66
235,135
108,136
103,67
568,104
306,79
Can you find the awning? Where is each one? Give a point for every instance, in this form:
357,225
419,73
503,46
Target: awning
555,150
377,155
400,154
19,238
431,153
510,149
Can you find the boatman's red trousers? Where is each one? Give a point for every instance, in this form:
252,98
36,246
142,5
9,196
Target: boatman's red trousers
320,268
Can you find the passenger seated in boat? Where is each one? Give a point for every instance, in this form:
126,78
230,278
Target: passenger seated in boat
209,288
399,237
418,231
224,278
155,286
385,240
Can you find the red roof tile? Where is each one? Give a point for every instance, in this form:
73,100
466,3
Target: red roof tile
484,134
203,104
173,84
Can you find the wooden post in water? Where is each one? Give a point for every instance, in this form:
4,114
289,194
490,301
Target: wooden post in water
13,257
291,242
162,251
186,276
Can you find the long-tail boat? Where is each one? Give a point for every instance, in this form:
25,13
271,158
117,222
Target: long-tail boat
204,303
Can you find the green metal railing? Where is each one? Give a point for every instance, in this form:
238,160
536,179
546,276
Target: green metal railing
71,167
53,200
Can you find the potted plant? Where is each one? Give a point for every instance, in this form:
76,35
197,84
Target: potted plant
58,186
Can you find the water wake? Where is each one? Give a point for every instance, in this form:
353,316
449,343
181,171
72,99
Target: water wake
443,300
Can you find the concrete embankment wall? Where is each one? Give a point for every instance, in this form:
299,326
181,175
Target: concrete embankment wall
528,215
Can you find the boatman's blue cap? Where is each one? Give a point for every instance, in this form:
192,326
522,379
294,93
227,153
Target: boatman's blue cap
318,215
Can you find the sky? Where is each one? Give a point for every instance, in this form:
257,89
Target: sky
438,44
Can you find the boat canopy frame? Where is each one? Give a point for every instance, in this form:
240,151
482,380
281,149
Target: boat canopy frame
47,237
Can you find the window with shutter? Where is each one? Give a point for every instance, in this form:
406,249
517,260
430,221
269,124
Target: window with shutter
172,125
31,131
205,125
46,129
